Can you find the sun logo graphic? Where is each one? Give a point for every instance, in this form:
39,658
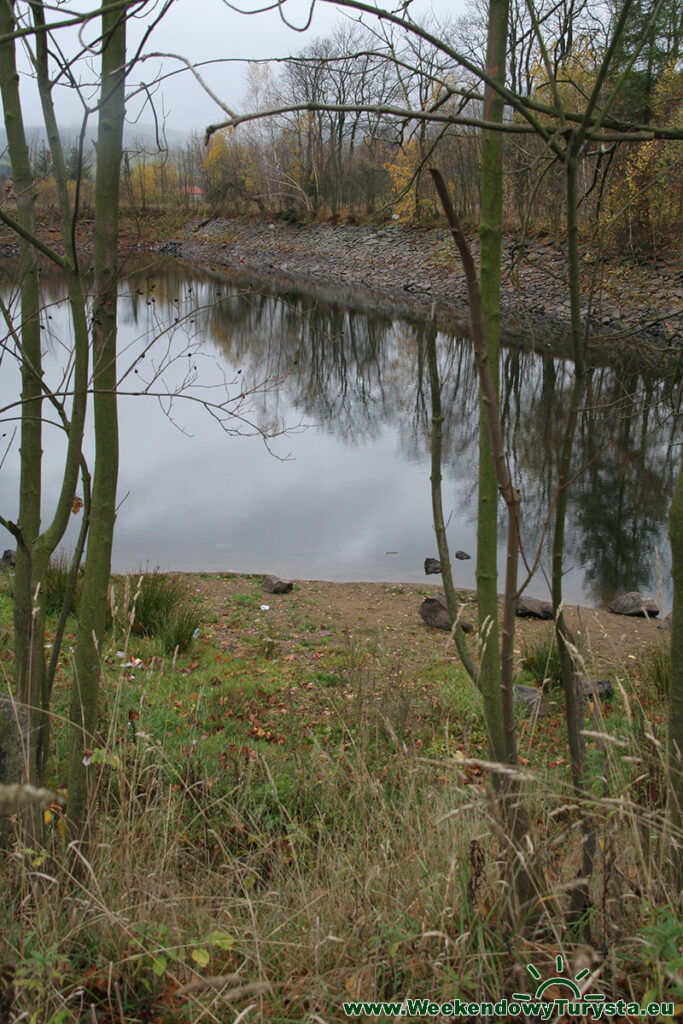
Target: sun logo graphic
569,986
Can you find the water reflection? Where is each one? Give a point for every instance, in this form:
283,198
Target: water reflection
354,502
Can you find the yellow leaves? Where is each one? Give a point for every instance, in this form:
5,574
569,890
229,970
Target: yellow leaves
153,182
573,79
233,165
404,179
648,190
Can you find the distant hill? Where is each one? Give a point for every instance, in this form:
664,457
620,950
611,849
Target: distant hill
134,136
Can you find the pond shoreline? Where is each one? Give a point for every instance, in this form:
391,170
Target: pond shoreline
389,613
413,274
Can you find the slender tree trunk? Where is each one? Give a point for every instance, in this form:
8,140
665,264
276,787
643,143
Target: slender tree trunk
437,503
103,503
502,743
47,542
675,736
28,602
490,231
35,548
570,676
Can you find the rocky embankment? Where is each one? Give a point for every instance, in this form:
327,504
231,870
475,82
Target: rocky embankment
404,272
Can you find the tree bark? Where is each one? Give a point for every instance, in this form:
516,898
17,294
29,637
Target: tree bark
28,603
103,502
437,504
675,732
490,232
501,727
580,899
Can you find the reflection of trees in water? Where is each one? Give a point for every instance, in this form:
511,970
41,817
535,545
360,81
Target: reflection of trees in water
355,375
622,498
622,469
334,364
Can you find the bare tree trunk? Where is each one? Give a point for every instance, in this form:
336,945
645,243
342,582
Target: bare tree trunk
28,618
437,504
490,231
502,742
103,503
35,548
571,681
675,736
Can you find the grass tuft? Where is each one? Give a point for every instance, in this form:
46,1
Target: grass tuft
541,661
157,605
660,669
55,584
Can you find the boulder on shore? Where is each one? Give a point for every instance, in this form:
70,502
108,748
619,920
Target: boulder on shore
9,559
532,608
274,585
432,566
635,604
601,688
434,612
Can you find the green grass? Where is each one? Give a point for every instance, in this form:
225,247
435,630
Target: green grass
246,601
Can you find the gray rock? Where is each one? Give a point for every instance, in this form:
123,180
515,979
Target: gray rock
463,556
434,612
529,698
274,585
634,604
432,566
602,687
14,721
531,608
665,623
9,559
171,248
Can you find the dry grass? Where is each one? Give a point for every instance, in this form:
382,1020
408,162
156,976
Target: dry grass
358,884
279,880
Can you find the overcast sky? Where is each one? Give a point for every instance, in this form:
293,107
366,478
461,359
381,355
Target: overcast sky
207,29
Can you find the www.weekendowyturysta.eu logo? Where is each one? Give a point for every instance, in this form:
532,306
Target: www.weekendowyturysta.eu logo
558,979
558,995
565,997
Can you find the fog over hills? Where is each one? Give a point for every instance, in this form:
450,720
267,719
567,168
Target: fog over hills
135,136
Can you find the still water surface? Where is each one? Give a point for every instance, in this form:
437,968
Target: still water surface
344,493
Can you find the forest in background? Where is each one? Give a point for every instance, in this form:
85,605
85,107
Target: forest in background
352,160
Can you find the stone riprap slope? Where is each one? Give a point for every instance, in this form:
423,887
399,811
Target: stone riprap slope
408,272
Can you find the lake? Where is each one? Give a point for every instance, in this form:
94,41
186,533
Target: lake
324,472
